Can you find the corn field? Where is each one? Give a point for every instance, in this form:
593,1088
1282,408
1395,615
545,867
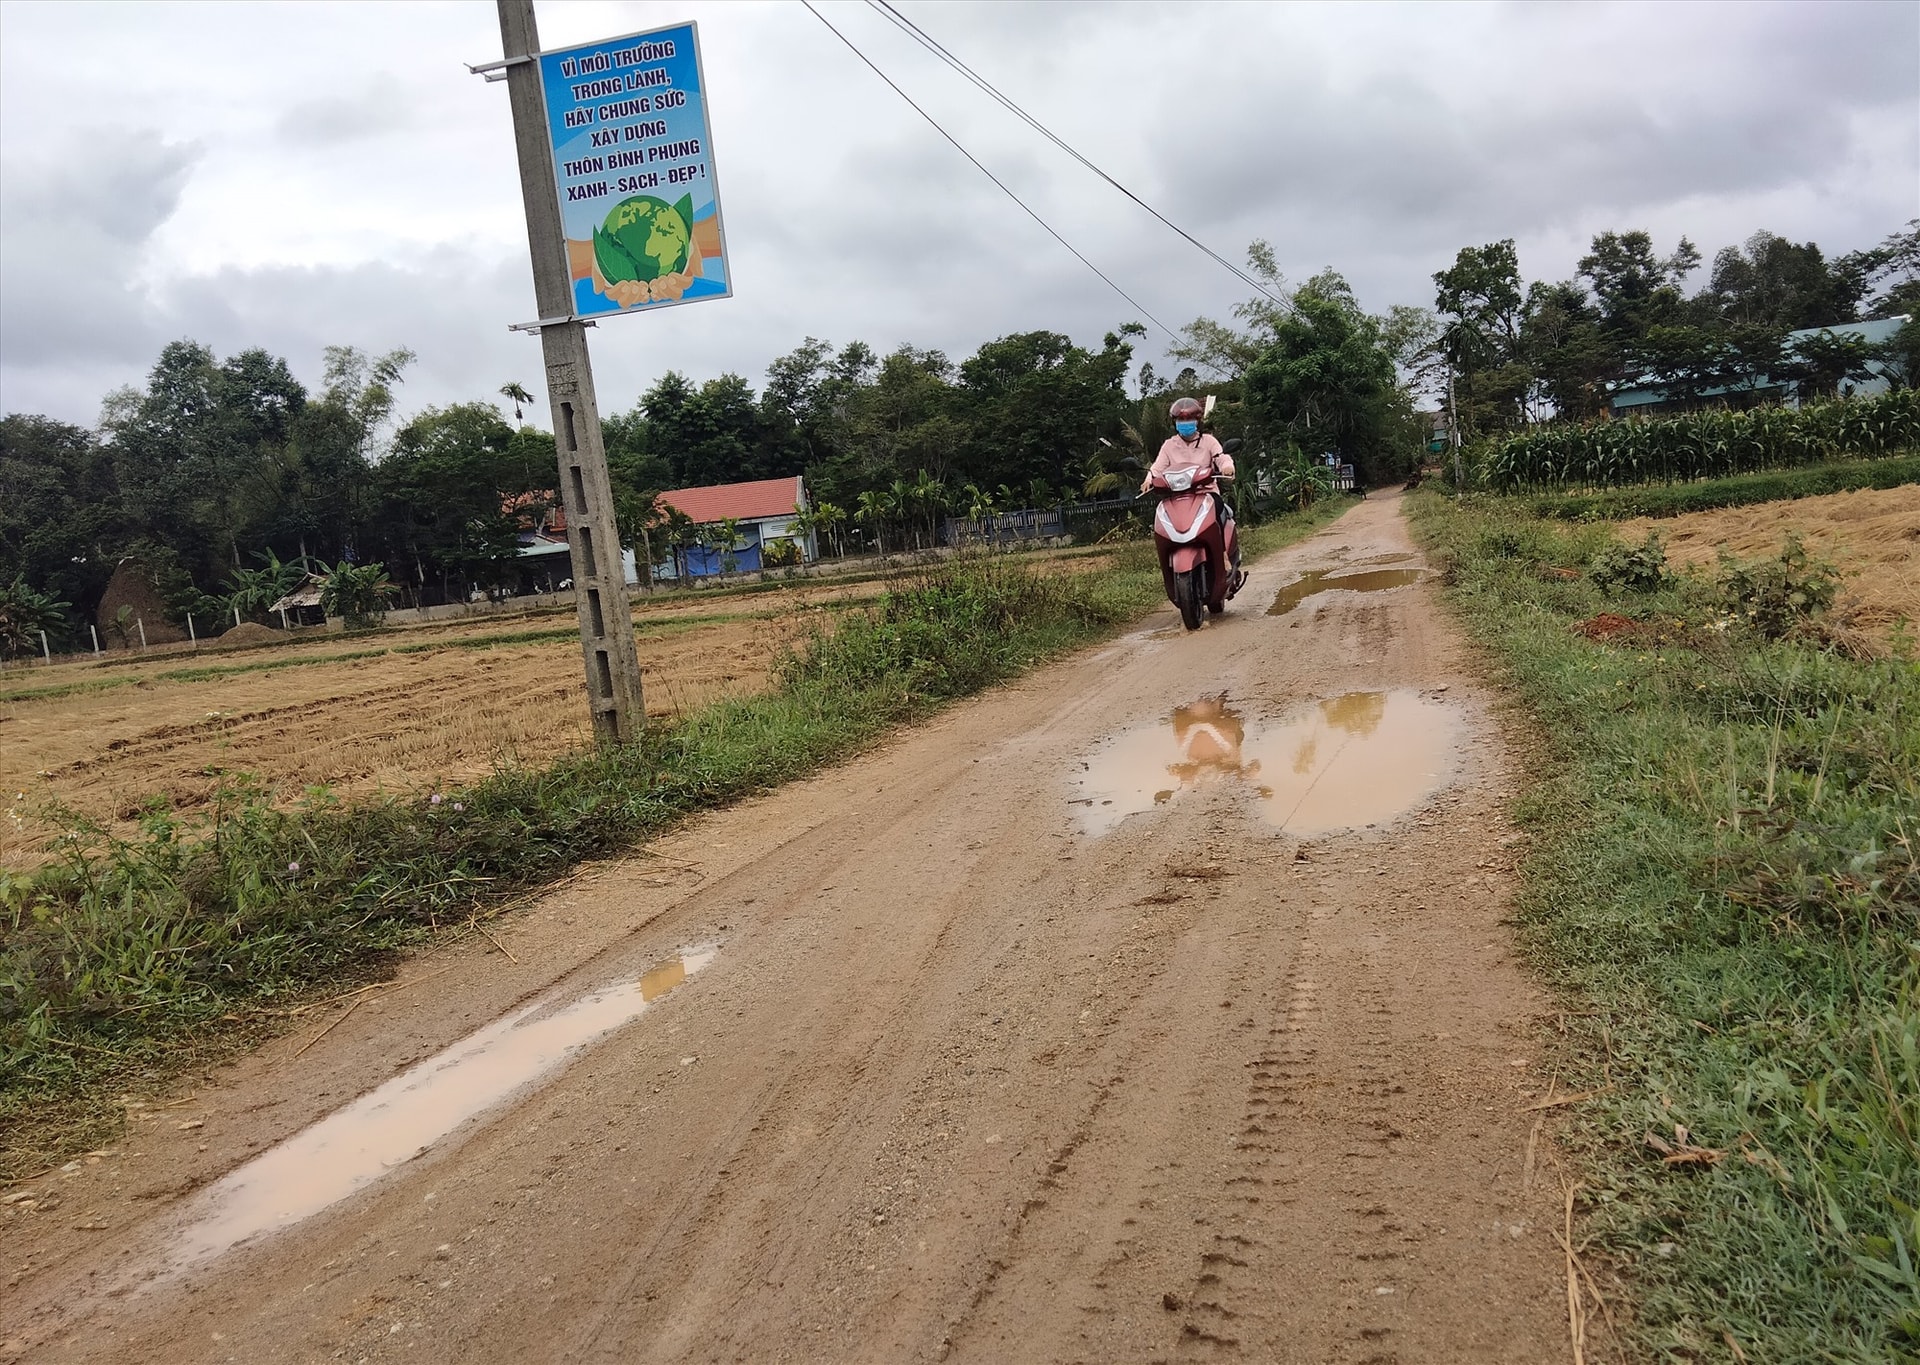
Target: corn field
1703,445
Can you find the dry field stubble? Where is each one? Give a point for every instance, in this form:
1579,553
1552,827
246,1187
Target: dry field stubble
1873,535
394,722
459,702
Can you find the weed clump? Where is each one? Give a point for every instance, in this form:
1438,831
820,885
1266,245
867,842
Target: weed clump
1637,568
1774,596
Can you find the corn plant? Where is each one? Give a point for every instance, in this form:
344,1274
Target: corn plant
1703,445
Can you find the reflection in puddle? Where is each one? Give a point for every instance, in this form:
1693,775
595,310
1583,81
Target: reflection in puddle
1375,580
387,1127
1353,760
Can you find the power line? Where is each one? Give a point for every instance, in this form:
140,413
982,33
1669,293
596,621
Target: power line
934,46
1031,213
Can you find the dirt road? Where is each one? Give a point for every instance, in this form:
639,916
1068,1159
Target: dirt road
936,1056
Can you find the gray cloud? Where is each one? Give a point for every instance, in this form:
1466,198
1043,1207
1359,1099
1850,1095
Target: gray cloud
364,189
381,105
75,236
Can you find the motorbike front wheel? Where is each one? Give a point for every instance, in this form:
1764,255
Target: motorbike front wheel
1190,595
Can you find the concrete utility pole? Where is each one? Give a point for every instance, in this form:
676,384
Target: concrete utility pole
586,494
1453,429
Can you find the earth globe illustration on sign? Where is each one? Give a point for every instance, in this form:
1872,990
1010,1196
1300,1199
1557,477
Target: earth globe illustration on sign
643,241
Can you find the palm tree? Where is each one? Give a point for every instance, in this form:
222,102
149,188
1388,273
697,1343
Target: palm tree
679,535
518,394
830,517
720,538
1117,465
930,498
900,502
876,506
981,507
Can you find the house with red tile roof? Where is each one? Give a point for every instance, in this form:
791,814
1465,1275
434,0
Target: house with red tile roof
763,511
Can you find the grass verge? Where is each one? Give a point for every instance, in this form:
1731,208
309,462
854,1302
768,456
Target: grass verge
1723,882
1670,500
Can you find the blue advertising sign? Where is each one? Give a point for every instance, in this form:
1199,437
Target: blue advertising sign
633,162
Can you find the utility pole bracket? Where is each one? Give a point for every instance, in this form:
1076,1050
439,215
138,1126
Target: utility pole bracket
497,71
533,328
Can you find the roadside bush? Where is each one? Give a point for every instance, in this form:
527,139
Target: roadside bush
359,593
1641,568
951,632
1774,596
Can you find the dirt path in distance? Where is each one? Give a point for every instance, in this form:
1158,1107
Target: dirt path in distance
1157,1007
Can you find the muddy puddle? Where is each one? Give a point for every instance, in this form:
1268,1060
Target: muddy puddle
1344,763
1340,580
353,1147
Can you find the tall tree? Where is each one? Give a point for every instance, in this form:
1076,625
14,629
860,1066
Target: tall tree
1888,275
1778,284
1482,307
61,528
1037,404
444,492
1570,357
1634,288
1327,383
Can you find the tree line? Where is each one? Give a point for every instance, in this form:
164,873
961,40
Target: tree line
1520,352
228,480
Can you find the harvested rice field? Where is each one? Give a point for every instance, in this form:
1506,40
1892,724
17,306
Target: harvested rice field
401,709
1872,535
397,710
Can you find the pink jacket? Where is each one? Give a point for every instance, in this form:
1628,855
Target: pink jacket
1179,453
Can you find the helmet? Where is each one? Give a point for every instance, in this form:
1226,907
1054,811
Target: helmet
1186,410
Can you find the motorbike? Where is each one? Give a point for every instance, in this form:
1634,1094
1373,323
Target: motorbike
1196,541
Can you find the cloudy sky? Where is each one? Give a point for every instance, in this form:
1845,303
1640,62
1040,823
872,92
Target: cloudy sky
296,175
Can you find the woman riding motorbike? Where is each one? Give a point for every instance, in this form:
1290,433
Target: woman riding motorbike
1189,448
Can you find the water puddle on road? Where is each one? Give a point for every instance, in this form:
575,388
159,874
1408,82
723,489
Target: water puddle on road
390,1126
1344,763
1321,580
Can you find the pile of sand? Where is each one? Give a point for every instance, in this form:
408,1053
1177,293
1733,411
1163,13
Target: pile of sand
1872,536
247,633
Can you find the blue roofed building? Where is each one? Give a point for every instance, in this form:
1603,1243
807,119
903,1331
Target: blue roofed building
1646,397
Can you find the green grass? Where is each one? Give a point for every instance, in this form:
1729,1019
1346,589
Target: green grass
1670,500
1723,883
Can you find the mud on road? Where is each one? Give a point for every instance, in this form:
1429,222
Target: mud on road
1157,1007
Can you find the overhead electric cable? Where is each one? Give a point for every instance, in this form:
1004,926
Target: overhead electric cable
1031,213
934,46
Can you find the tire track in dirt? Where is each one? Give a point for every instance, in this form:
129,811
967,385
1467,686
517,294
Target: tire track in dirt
964,1082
